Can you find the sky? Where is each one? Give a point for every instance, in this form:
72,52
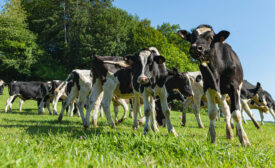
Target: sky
251,24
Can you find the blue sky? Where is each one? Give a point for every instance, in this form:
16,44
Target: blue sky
250,22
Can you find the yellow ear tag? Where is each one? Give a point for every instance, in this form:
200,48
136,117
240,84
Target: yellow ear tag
204,63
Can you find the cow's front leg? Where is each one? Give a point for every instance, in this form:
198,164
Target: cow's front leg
116,109
246,108
242,112
162,93
196,107
40,105
136,103
212,113
236,115
125,109
154,125
262,117
147,111
184,108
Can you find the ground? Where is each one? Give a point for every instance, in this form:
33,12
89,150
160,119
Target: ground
31,140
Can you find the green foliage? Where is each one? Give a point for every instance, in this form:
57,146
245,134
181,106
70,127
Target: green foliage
31,140
18,49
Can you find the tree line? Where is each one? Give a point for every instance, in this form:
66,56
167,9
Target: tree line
46,39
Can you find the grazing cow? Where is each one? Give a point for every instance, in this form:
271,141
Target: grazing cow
82,85
249,93
2,85
149,77
269,108
222,74
34,90
175,81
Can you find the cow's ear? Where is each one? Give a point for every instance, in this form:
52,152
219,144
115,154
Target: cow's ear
159,59
258,86
175,71
129,59
184,35
221,36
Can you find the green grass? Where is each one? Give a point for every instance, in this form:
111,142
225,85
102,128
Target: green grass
31,140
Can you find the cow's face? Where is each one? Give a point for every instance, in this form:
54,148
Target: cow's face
202,39
2,85
259,95
182,83
143,63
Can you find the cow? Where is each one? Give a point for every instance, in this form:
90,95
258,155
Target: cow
82,85
178,86
249,93
222,74
149,78
268,108
2,85
34,90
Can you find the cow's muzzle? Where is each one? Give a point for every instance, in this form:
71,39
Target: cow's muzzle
143,80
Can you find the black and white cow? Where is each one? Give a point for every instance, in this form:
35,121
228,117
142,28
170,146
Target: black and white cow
250,93
268,108
178,86
149,77
2,85
222,74
34,90
82,85
111,78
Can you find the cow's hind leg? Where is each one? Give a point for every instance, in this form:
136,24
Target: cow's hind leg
184,108
20,105
272,113
236,114
196,107
262,117
249,113
125,109
9,102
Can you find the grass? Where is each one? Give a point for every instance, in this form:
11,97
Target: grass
31,140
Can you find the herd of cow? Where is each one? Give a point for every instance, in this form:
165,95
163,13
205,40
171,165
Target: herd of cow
143,78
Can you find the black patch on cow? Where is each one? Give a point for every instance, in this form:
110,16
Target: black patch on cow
198,78
124,76
76,79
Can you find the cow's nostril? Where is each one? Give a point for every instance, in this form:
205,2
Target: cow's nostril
199,48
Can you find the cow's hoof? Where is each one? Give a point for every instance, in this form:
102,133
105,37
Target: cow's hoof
201,126
55,114
86,127
135,127
146,130
122,119
141,121
59,119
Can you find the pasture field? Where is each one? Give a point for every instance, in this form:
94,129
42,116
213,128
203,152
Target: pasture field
31,140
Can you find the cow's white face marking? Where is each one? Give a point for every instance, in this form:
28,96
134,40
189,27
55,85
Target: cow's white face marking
143,59
203,30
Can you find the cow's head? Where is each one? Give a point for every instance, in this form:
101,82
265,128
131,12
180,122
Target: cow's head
143,64
2,85
202,40
259,95
181,82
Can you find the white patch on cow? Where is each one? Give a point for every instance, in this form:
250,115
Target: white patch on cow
119,63
154,49
1,82
143,58
203,30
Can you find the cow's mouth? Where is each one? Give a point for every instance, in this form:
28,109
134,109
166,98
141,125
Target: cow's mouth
200,55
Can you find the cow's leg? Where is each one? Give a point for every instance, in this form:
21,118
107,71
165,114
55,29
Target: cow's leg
116,109
196,106
55,101
153,123
72,107
125,108
272,113
108,89
131,108
162,93
226,112
246,108
73,94
236,114
101,111
147,111
82,99
219,115
212,113
93,102
185,106
136,103
262,117
244,120
9,102
40,105
20,105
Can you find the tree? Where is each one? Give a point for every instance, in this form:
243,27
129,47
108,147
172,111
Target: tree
18,48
